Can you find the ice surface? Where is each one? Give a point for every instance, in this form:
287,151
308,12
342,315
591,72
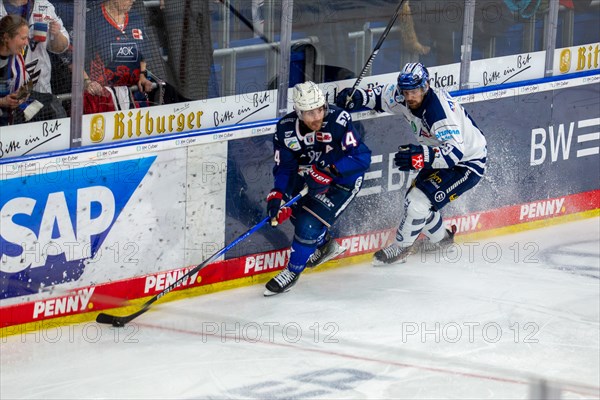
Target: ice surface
484,321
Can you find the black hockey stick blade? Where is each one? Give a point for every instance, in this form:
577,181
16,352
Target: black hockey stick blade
113,320
119,322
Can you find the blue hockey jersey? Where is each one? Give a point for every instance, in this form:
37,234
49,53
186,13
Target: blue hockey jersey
337,145
114,53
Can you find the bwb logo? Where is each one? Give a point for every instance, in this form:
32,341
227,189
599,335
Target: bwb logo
51,223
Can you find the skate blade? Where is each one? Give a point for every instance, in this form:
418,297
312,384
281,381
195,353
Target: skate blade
341,250
446,250
377,263
268,293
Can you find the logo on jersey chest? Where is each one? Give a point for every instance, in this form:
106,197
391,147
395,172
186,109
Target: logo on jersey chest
124,52
309,139
324,137
137,34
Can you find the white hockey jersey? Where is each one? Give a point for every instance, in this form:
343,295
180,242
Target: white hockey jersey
440,123
37,59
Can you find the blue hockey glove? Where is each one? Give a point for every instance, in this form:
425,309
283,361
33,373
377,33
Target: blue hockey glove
278,215
415,157
357,101
318,180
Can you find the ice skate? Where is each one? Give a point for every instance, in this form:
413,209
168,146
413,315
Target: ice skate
281,283
425,245
326,252
392,254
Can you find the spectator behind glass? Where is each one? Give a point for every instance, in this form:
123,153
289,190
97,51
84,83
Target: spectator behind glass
115,43
186,36
47,35
14,37
61,63
439,25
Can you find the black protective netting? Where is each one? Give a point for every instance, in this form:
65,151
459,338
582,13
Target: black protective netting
170,42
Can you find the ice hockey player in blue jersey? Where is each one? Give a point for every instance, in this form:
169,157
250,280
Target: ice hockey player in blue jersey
450,156
315,146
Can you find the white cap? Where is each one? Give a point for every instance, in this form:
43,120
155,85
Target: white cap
308,96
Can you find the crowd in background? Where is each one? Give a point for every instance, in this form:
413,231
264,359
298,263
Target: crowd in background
139,55
36,53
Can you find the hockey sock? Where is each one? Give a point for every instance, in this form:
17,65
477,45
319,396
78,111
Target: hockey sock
301,251
417,208
322,238
434,228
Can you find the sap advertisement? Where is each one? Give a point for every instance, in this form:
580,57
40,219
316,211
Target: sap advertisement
535,152
89,218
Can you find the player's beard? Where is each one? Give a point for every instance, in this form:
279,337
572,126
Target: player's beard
314,125
413,104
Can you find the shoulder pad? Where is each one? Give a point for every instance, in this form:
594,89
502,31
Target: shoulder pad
343,118
391,95
287,120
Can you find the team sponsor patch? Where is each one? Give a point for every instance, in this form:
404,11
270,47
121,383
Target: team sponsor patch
447,134
413,126
439,196
292,143
324,137
137,34
309,139
124,52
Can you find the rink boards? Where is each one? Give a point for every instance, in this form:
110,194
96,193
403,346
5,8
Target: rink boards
94,229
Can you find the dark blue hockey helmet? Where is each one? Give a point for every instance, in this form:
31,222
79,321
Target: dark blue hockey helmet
412,76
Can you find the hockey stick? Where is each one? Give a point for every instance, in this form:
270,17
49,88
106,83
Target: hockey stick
375,51
116,321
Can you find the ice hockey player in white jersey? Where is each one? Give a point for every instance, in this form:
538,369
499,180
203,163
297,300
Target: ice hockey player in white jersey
450,156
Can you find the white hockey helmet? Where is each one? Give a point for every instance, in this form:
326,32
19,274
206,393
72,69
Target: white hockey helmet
307,96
